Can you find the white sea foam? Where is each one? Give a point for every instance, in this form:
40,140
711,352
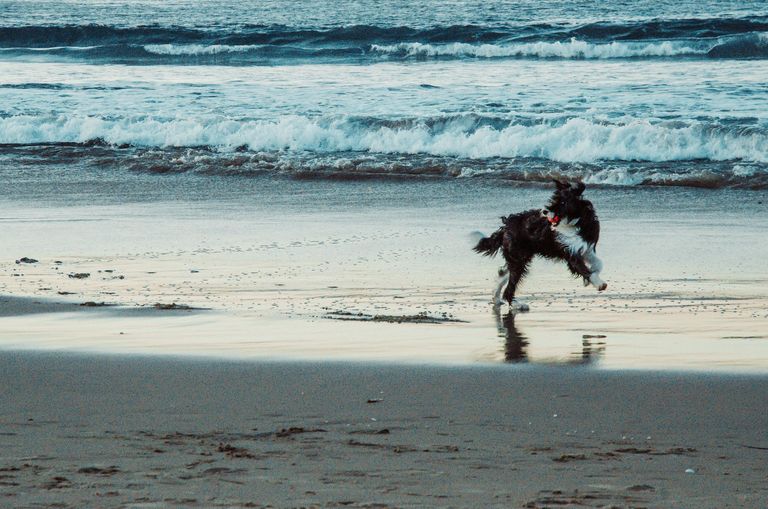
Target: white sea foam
577,140
744,170
615,177
50,48
197,49
572,49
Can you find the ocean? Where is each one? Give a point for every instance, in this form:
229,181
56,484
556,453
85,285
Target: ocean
640,93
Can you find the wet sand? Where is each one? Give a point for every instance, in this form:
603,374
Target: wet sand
87,431
281,266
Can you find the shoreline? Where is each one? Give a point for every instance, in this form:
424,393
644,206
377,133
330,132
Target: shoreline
686,282
548,335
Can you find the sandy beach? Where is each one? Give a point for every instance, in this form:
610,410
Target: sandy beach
265,356
149,432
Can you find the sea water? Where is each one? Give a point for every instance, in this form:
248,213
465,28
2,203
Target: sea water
615,93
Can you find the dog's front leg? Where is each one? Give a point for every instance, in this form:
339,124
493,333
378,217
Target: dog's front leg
596,266
595,263
578,266
598,283
575,270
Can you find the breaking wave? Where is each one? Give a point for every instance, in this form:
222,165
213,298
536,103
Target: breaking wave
467,136
712,38
362,166
572,49
197,49
747,46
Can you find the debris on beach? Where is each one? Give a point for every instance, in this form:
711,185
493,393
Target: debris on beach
79,275
422,317
296,430
384,431
57,483
92,304
673,451
106,471
171,306
755,447
235,452
593,336
25,260
641,487
565,458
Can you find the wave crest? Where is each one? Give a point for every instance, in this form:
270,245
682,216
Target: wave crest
714,38
572,49
572,140
197,49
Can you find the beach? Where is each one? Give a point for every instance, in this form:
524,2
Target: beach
237,266
239,361
152,432
303,280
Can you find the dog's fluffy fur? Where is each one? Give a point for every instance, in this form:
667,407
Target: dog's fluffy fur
567,229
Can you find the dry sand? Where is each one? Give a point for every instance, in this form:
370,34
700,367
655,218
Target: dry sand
145,432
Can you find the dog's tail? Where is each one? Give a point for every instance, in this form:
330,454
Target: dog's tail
489,246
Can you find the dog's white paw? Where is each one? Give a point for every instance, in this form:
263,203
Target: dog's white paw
597,282
520,307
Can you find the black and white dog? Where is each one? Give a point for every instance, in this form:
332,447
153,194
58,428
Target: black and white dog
567,229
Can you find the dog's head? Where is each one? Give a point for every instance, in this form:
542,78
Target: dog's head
566,203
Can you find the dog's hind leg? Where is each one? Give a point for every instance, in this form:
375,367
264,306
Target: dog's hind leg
518,267
497,302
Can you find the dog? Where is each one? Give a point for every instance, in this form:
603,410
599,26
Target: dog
566,229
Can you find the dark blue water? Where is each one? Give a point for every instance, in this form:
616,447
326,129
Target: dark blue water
120,38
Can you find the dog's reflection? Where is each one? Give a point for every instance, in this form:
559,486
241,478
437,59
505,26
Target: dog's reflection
516,343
